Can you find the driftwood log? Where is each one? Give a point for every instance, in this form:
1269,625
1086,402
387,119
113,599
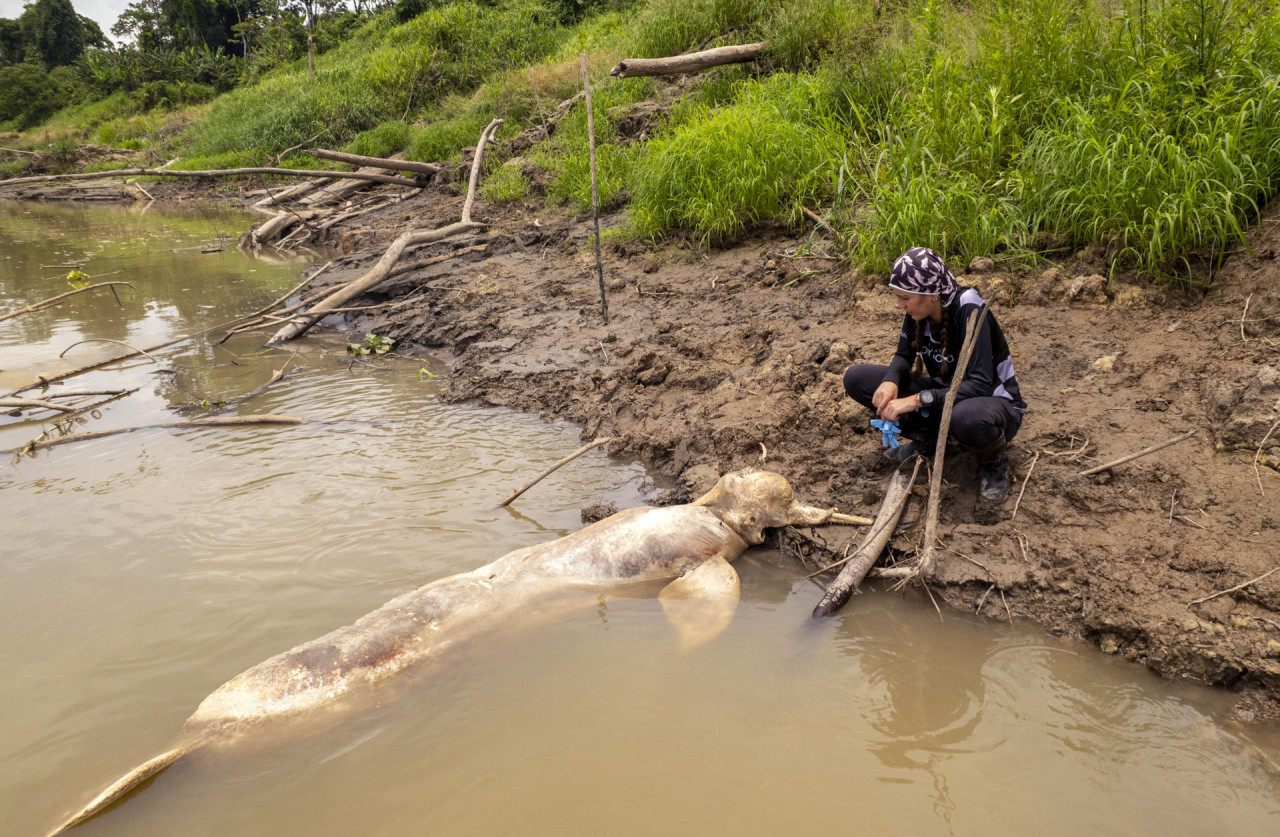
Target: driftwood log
292,193
339,190
693,62
301,323
376,162
855,569
351,175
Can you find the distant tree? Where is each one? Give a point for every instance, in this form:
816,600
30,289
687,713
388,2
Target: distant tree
179,24
29,94
12,44
93,36
53,32
140,21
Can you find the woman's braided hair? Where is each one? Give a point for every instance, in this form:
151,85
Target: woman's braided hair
918,370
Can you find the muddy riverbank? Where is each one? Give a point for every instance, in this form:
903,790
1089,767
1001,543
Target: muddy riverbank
716,360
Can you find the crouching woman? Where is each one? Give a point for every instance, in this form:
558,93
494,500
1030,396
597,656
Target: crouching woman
911,389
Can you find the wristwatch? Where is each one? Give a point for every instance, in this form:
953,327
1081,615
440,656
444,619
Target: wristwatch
926,397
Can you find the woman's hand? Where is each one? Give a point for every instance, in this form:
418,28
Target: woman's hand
898,406
884,393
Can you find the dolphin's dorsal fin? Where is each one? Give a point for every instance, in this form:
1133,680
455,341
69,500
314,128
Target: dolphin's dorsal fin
701,602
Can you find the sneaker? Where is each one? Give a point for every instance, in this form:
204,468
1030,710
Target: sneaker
994,482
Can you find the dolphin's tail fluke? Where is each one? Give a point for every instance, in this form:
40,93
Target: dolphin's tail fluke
123,786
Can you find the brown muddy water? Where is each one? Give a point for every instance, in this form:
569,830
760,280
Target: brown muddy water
140,572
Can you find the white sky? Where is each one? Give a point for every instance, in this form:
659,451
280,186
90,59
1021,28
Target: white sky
104,12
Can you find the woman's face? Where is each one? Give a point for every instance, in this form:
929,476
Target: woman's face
917,306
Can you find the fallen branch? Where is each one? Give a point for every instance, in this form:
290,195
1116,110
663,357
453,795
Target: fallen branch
1025,480
36,306
46,380
33,404
81,393
855,569
1237,587
693,62
215,421
376,162
275,376
1122,460
579,452
345,175
300,324
972,327
1257,455
136,350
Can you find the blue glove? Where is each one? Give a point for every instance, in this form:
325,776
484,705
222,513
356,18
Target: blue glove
890,431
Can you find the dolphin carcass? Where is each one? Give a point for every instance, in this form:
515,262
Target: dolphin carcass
690,544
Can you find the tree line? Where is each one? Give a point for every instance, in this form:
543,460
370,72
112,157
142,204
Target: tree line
168,52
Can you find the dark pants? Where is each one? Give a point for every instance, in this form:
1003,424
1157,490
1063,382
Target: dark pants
984,424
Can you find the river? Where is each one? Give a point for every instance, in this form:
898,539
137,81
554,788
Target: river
139,572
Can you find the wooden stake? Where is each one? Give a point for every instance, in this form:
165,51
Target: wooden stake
1137,455
579,452
595,193
972,327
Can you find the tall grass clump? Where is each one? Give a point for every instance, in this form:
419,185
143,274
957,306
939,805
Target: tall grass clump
444,137
761,159
799,33
380,74
671,27
382,141
1178,148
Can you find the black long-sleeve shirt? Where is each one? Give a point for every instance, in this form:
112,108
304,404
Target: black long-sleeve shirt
990,371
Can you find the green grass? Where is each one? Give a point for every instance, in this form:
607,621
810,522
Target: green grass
382,141
504,184
721,172
380,74
1150,127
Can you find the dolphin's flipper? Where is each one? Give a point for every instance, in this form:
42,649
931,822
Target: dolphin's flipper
701,602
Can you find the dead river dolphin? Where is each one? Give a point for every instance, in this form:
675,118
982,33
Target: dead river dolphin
690,544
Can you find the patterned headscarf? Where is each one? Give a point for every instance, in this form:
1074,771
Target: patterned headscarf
922,271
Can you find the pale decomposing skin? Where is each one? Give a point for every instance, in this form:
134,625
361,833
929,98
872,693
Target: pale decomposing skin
692,544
